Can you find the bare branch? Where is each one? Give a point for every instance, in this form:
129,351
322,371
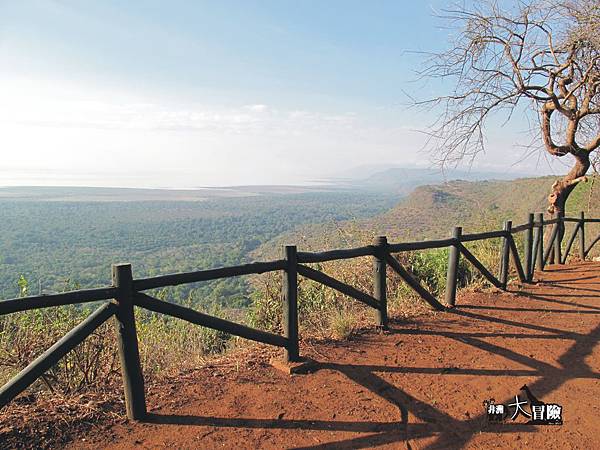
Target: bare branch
544,52
547,53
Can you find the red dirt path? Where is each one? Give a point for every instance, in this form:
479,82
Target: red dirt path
422,385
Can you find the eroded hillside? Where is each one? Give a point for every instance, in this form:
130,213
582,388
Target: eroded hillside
432,211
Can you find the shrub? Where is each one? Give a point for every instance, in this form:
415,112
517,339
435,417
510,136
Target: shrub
342,324
318,304
25,335
166,345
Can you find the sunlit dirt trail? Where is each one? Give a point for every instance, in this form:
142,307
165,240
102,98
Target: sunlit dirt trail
420,386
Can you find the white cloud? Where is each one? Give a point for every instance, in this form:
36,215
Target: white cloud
33,104
257,108
53,133
58,132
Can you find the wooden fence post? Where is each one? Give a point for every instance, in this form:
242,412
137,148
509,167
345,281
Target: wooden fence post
290,303
380,280
133,379
529,257
452,274
558,240
535,250
504,255
540,253
582,236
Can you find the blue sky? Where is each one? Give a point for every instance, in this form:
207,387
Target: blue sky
183,94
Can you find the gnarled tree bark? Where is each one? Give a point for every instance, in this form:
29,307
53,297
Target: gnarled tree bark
547,53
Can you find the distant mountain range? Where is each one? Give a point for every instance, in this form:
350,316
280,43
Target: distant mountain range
403,180
376,178
111,194
431,211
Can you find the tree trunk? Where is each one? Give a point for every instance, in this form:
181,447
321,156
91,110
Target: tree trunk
561,189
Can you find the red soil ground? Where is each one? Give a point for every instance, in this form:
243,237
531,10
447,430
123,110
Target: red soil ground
419,386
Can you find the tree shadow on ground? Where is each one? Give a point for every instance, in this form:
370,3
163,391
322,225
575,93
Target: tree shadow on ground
552,299
446,432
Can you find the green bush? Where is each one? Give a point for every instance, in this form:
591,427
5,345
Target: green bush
25,335
430,268
265,310
166,345
317,304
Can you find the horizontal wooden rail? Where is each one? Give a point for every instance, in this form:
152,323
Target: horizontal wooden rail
520,228
46,360
216,323
413,283
125,291
339,286
422,245
551,221
143,284
481,236
66,298
331,255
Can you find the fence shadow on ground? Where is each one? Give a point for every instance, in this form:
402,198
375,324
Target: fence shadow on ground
125,293
447,431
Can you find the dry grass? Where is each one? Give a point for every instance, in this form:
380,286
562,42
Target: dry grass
169,347
342,325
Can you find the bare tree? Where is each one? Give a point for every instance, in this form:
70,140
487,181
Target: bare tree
534,56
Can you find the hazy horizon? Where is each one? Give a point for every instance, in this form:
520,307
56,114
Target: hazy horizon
334,180
180,95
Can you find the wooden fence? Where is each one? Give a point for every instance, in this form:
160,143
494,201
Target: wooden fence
126,292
